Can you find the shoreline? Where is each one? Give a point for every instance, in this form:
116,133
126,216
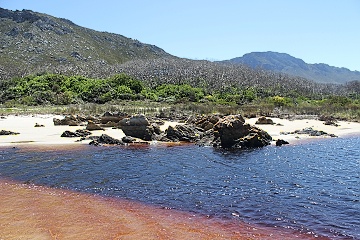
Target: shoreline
50,135
38,212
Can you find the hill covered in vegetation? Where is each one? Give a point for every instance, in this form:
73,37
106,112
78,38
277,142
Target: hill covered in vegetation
33,42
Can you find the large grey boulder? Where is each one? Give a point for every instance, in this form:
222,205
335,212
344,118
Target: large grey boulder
233,132
138,126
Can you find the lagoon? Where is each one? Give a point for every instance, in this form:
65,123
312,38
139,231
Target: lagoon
311,188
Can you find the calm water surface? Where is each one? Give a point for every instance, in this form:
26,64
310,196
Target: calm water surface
313,187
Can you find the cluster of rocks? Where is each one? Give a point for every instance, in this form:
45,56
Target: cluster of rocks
328,120
214,130
310,131
5,132
77,133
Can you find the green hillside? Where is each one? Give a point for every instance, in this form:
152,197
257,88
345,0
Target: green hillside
33,42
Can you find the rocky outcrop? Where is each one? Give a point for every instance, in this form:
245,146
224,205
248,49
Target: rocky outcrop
206,122
128,139
77,133
329,120
186,132
139,127
91,126
105,139
264,120
309,131
67,120
5,132
281,142
115,117
232,132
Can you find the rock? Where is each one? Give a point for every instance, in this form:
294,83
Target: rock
112,117
138,126
329,120
128,139
68,134
186,132
91,126
230,128
5,132
264,120
331,123
233,132
39,125
314,133
281,142
77,133
105,139
67,120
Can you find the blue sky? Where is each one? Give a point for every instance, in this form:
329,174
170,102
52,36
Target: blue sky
317,31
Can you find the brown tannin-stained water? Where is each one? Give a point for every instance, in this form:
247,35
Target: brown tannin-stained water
32,212
308,191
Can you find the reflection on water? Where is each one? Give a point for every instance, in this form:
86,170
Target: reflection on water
313,188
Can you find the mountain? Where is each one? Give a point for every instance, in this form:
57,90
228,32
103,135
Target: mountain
284,63
31,41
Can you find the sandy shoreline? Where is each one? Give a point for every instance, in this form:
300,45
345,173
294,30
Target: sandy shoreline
35,212
50,134
345,129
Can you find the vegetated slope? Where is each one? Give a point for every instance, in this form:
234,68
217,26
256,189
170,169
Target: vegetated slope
32,42
282,62
215,76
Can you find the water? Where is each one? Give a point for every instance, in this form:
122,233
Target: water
313,187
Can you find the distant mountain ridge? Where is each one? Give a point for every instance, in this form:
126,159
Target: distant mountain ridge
285,63
31,40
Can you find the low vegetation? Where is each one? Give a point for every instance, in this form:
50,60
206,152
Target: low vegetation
125,93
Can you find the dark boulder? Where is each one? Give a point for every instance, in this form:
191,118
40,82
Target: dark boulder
67,120
105,139
112,117
91,126
5,132
128,139
264,120
139,127
77,133
281,142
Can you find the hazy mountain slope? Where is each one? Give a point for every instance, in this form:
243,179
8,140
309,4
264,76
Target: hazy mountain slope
282,62
33,41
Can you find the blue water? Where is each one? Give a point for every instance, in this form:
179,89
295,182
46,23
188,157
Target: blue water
313,187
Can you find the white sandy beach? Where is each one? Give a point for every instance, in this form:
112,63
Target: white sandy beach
284,125
50,134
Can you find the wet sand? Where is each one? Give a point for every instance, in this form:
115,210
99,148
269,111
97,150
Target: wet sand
34,212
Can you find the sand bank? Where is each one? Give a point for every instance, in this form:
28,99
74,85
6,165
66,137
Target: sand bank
33,212
285,125
50,134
